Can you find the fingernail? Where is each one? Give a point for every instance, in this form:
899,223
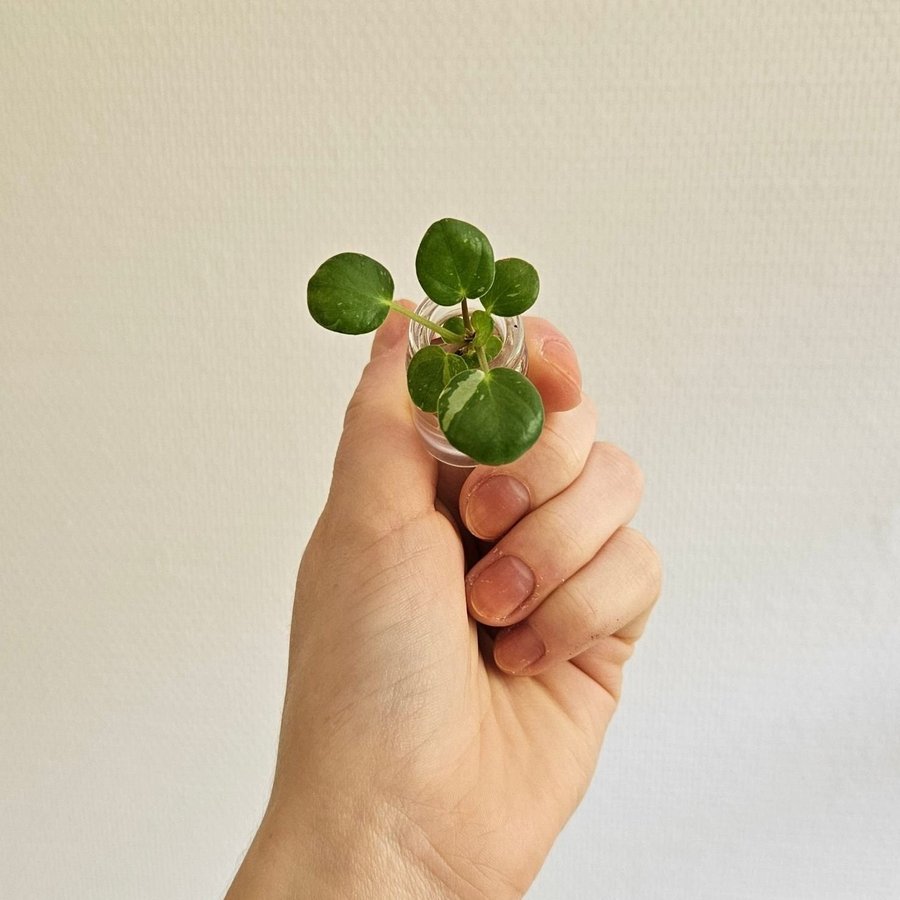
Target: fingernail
562,357
501,588
518,649
495,505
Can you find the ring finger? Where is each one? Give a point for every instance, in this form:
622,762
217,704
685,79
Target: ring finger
612,595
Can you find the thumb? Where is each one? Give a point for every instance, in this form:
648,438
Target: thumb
382,471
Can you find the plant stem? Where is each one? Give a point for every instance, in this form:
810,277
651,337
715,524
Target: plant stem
467,322
449,336
470,333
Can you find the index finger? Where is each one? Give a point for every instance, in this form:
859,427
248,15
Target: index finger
552,365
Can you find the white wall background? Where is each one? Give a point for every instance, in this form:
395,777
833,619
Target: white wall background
711,192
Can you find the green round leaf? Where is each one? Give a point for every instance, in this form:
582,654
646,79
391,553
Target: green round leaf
350,293
428,371
455,260
456,325
515,288
493,346
483,325
492,416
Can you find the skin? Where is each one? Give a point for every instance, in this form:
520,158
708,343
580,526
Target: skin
423,754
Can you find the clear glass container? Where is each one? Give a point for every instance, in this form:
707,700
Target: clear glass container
512,355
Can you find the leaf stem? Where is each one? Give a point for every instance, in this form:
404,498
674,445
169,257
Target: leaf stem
467,322
449,336
470,334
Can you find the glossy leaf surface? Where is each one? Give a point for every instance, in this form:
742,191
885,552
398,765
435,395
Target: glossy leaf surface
494,416
515,288
455,260
427,374
456,325
350,293
483,325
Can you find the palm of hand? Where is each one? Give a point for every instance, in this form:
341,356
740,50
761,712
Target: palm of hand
481,768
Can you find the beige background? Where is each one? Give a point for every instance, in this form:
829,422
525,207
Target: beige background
711,192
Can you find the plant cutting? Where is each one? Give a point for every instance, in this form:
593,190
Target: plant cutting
490,412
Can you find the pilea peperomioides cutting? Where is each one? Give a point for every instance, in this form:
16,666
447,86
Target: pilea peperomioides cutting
491,414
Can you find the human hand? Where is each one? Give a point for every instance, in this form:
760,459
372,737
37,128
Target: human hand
412,762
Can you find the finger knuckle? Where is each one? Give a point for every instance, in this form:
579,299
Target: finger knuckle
567,532
624,468
645,559
562,446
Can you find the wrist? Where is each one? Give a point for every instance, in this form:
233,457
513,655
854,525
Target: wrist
324,855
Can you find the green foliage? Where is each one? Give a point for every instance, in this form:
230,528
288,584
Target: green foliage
483,325
350,293
492,414
483,337
455,261
492,346
456,325
428,372
515,288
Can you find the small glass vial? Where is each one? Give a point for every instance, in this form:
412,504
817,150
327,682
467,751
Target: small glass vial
512,355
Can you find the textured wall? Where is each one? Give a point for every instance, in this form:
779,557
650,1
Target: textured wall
711,192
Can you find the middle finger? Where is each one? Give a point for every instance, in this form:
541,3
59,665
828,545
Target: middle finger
555,540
